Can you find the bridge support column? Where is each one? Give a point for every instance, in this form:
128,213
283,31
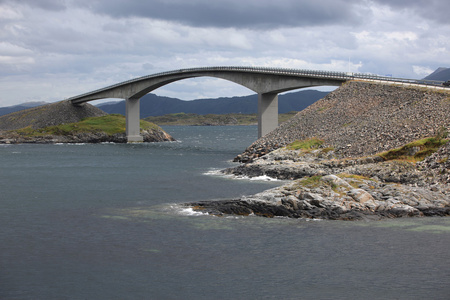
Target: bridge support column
267,113
133,118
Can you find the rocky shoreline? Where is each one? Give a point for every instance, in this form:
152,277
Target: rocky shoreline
346,178
93,137
341,189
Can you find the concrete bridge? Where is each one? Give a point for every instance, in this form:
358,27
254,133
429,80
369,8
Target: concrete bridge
266,82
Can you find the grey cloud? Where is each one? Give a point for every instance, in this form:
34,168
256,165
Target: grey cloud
54,5
236,13
435,10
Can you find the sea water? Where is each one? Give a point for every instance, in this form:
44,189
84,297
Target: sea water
104,221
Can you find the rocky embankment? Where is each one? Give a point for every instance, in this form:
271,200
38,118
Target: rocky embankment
344,179
59,113
361,119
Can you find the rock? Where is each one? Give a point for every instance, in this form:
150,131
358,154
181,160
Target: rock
360,195
333,179
360,119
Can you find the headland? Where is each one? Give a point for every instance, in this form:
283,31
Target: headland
365,151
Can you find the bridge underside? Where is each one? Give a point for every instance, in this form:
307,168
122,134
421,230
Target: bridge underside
266,85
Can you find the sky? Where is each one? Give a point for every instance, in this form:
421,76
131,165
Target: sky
54,49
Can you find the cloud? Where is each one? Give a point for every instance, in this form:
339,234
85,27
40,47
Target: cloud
433,10
254,14
55,5
80,45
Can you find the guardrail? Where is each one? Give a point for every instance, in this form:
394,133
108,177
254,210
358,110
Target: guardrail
276,71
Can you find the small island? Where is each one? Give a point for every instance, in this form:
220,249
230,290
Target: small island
62,122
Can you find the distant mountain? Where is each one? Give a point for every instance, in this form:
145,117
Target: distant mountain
11,109
153,105
441,74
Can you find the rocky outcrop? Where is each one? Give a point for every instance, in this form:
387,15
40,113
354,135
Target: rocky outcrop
334,197
325,187
361,119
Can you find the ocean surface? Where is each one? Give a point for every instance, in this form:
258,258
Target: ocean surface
103,221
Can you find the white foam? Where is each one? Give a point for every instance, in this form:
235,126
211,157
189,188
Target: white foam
264,178
214,172
218,172
189,211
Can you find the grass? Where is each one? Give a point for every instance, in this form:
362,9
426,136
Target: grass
415,151
311,182
109,124
307,144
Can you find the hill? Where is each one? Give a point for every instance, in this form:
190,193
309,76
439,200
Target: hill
153,105
441,74
49,115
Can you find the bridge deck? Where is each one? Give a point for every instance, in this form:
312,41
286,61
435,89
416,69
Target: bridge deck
267,82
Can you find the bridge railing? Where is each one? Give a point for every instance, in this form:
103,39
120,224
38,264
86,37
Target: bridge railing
272,70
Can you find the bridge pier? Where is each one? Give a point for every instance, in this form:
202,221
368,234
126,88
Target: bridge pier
267,113
133,118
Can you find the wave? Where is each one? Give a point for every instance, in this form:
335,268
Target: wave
187,211
218,172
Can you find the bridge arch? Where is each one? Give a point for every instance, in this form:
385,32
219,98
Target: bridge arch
266,82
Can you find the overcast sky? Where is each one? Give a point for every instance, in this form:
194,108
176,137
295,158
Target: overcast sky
54,49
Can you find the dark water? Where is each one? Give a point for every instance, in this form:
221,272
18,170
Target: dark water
101,222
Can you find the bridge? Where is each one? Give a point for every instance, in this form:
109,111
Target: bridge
266,82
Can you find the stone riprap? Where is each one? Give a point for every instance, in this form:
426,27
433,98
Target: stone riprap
361,118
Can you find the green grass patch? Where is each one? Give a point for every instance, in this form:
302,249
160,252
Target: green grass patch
109,124
415,151
307,144
311,182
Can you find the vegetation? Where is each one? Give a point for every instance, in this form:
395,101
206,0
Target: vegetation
417,150
191,119
307,144
109,124
311,182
